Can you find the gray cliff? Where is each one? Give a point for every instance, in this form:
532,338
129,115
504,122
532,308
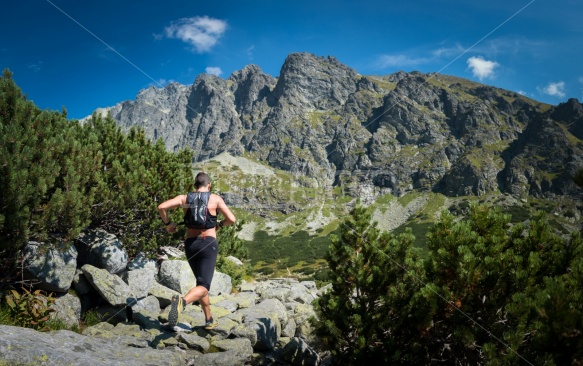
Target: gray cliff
397,133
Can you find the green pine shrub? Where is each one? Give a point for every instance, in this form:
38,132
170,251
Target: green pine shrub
59,177
488,292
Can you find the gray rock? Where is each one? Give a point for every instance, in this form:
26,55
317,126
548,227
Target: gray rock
280,293
51,267
63,347
110,287
247,287
141,261
262,332
221,284
80,283
235,260
236,317
162,293
240,345
289,329
194,341
149,304
300,293
102,250
310,285
146,320
228,358
298,352
67,309
230,305
173,253
302,314
102,328
324,289
273,307
176,275
139,281
245,299
224,329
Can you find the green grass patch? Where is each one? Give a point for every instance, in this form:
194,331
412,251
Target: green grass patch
408,198
300,249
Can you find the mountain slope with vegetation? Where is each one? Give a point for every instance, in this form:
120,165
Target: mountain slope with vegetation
293,153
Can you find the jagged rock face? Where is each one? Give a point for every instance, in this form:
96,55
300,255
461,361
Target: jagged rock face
400,132
309,82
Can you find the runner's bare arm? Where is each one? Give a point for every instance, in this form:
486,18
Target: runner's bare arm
224,209
173,203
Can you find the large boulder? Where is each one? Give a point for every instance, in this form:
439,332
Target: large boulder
141,261
162,293
80,283
302,315
300,293
221,284
299,353
149,304
110,287
51,267
195,341
228,358
262,332
240,345
102,250
67,309
23,346
140,281
262,324
176,275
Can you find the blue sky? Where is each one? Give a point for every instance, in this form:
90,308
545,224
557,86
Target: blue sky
85,55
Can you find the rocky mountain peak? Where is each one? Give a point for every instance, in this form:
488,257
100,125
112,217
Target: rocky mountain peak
250,86
402,132
309,81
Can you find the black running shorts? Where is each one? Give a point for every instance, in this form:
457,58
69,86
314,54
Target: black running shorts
201,253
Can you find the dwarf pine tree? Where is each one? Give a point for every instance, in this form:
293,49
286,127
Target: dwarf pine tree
58,177
488,292
493,288
45,170
135,176
373,279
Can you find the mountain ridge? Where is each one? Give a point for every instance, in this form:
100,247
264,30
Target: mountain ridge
398,133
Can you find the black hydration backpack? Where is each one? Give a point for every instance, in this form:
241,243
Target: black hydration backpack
197,213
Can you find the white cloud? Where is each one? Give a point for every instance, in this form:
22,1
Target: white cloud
448,52
214,70
202,33
250,51
35,67
581,79
482,68
409,59
522,92
401,60
554,89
